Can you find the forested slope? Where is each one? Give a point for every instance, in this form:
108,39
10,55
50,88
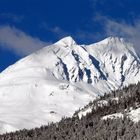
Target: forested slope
95,125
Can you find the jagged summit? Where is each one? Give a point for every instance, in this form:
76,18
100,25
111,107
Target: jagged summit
115,42
67,41
113,39
61,78
114,46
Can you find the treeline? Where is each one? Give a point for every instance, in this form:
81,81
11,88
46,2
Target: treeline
92,126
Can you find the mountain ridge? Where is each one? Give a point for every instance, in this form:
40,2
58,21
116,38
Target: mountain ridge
46,83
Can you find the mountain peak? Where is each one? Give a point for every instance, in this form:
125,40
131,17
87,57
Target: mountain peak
69,41
115,44
113,40
63,76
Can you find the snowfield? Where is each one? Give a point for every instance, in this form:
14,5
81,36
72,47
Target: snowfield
61,78
134,115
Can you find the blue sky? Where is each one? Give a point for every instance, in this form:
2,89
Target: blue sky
28,25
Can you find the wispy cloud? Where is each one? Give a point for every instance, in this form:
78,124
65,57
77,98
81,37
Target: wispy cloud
111,27
56,30
95,2
119,3
122,29
126,26
87,36
11,17
18,41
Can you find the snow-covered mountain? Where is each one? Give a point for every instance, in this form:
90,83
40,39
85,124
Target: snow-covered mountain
61,78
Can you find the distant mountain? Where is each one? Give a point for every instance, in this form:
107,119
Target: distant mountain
61,78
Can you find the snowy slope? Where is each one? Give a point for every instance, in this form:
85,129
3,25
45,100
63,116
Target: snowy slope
59,79
134,115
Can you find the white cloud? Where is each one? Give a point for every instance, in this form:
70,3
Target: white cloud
18,41
121,29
